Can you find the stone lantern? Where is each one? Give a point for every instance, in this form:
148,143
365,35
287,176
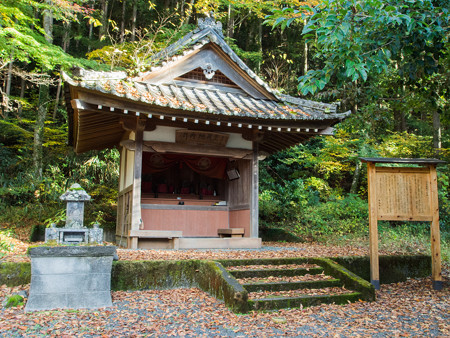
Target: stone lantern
74,230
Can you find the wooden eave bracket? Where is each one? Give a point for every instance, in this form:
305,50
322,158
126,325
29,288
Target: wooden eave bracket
131,123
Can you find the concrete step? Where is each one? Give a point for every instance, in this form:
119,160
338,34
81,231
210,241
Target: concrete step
284,286
275,272
275,303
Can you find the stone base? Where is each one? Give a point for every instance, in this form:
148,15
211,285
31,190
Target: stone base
74,236
201,243
70,277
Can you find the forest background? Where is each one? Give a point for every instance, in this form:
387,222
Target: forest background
386,61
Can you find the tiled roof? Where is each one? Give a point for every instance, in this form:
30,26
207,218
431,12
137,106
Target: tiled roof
207,31
208,99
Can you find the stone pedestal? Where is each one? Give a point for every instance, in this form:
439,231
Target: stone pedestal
70,277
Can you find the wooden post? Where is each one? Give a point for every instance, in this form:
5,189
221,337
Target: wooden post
373,226
436,270
136,209
254,225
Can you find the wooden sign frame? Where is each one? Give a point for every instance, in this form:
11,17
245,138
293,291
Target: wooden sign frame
403,194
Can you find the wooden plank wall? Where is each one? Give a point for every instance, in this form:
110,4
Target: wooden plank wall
239,190
403,194
239,197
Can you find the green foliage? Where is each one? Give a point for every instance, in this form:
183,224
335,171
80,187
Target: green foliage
356,38
22,36
336,217
5,243
13,301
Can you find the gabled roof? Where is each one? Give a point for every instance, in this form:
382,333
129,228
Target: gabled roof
208,31
172,90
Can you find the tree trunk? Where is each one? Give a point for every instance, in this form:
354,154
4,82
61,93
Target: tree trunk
356,176
122,24
188,12
66,36
437,131
133,21
58,94
91,29
23,85
39,131
8,88
399,119
48,23
258,66
230,23
104,26
305,54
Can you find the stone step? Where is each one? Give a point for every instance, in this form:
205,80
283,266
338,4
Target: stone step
275,303
275,272
283,286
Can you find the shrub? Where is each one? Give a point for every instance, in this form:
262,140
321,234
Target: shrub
337,216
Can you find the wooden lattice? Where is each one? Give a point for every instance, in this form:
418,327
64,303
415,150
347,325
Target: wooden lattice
198,75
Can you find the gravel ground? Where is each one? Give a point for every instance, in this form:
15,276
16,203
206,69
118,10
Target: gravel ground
406,309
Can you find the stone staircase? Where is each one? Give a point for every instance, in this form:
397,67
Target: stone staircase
297,282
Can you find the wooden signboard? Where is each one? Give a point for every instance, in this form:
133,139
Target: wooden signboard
403,194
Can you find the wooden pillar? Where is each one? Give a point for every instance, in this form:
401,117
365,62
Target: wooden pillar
436,270
137,176
254,211
373,226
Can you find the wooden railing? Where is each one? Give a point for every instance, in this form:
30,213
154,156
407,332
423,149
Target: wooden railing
124,206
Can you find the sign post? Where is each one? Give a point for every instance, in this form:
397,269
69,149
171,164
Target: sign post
403,194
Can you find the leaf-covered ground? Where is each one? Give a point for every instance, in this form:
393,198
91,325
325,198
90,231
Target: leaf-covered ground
406,309
269,250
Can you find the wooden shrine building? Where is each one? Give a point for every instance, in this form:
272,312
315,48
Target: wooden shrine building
190,133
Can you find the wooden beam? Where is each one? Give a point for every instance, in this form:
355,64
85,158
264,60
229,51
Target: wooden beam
254,211
253,135
167,147
436,269
373,226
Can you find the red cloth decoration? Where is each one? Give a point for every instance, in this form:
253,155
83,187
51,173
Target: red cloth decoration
213,167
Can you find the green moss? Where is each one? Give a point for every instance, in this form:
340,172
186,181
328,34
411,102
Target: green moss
13,274
276,272
348,278
258,287
393,269
140,275
13,301
278,235
304,301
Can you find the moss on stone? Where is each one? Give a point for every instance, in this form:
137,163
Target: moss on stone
141,275
349,279
304,301
276,272
13,301
13,274
278,235
393,269
283,286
